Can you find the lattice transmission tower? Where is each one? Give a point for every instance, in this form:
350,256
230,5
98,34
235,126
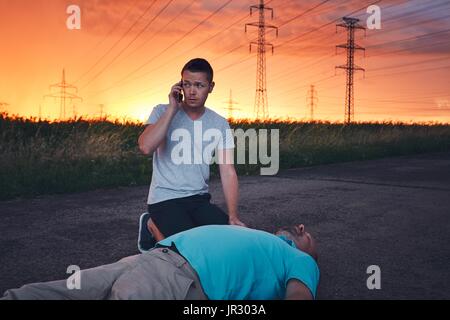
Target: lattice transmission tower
261,107
351,24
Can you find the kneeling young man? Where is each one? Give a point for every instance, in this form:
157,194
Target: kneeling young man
178,198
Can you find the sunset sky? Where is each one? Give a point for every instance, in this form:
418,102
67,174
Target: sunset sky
129,53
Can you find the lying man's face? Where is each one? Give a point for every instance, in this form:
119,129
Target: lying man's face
302,239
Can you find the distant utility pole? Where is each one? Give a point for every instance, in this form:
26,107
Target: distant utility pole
230,107
312,101
351,24
102,108
74,111
63,95
261,108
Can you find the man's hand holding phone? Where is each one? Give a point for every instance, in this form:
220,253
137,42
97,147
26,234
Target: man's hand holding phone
176,96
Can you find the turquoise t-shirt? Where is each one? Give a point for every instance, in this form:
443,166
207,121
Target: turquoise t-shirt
237,263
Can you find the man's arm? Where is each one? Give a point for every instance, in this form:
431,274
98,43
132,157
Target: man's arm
230,184
154,134
296,290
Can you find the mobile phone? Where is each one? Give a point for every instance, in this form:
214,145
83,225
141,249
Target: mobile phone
180,95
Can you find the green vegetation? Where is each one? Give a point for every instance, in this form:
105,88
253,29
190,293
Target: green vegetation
42,157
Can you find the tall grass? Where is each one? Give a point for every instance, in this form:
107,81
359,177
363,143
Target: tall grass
42,157
39,157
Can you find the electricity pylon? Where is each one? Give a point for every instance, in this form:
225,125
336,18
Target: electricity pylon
102,109
312,101
230,107
261,108
63,95
351,24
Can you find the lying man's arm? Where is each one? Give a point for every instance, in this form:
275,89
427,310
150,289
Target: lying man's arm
296,290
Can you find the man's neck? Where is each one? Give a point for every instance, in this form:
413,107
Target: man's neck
194,113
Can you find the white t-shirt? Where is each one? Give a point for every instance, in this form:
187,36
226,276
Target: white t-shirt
181,166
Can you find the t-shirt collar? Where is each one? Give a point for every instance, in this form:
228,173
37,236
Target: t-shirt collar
287,240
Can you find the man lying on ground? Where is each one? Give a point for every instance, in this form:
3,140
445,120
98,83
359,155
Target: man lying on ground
217,262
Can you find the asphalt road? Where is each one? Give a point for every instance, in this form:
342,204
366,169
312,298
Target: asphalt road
393,213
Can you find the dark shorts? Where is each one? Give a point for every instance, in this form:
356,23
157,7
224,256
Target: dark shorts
176,215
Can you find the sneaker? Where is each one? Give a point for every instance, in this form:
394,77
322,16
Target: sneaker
146,241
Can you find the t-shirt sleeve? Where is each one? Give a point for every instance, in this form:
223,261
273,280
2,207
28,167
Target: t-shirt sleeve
304,268
227,137
157,112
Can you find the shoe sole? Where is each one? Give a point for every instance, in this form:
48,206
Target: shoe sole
141,224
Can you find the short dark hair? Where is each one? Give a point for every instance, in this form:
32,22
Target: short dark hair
199,65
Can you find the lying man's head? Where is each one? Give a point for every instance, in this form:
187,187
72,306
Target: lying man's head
301,238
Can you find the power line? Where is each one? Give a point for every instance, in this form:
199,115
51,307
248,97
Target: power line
324,25
369,76
300,36
385,100
428,46
320,60
175,18
357,99
186,51
111,31
279,45
196,45
181,54
390,74
295,70
233,64
302,14
167,62
147,9
323,79
299,88
415,99
384,9
409,95
411,63
129,44
261,93
417,23
419,11
149,72
167,48
430,34
292,70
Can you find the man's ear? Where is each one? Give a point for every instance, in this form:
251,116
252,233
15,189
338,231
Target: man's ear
301,228
211,87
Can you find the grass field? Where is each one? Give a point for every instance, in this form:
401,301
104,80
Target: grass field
42,157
